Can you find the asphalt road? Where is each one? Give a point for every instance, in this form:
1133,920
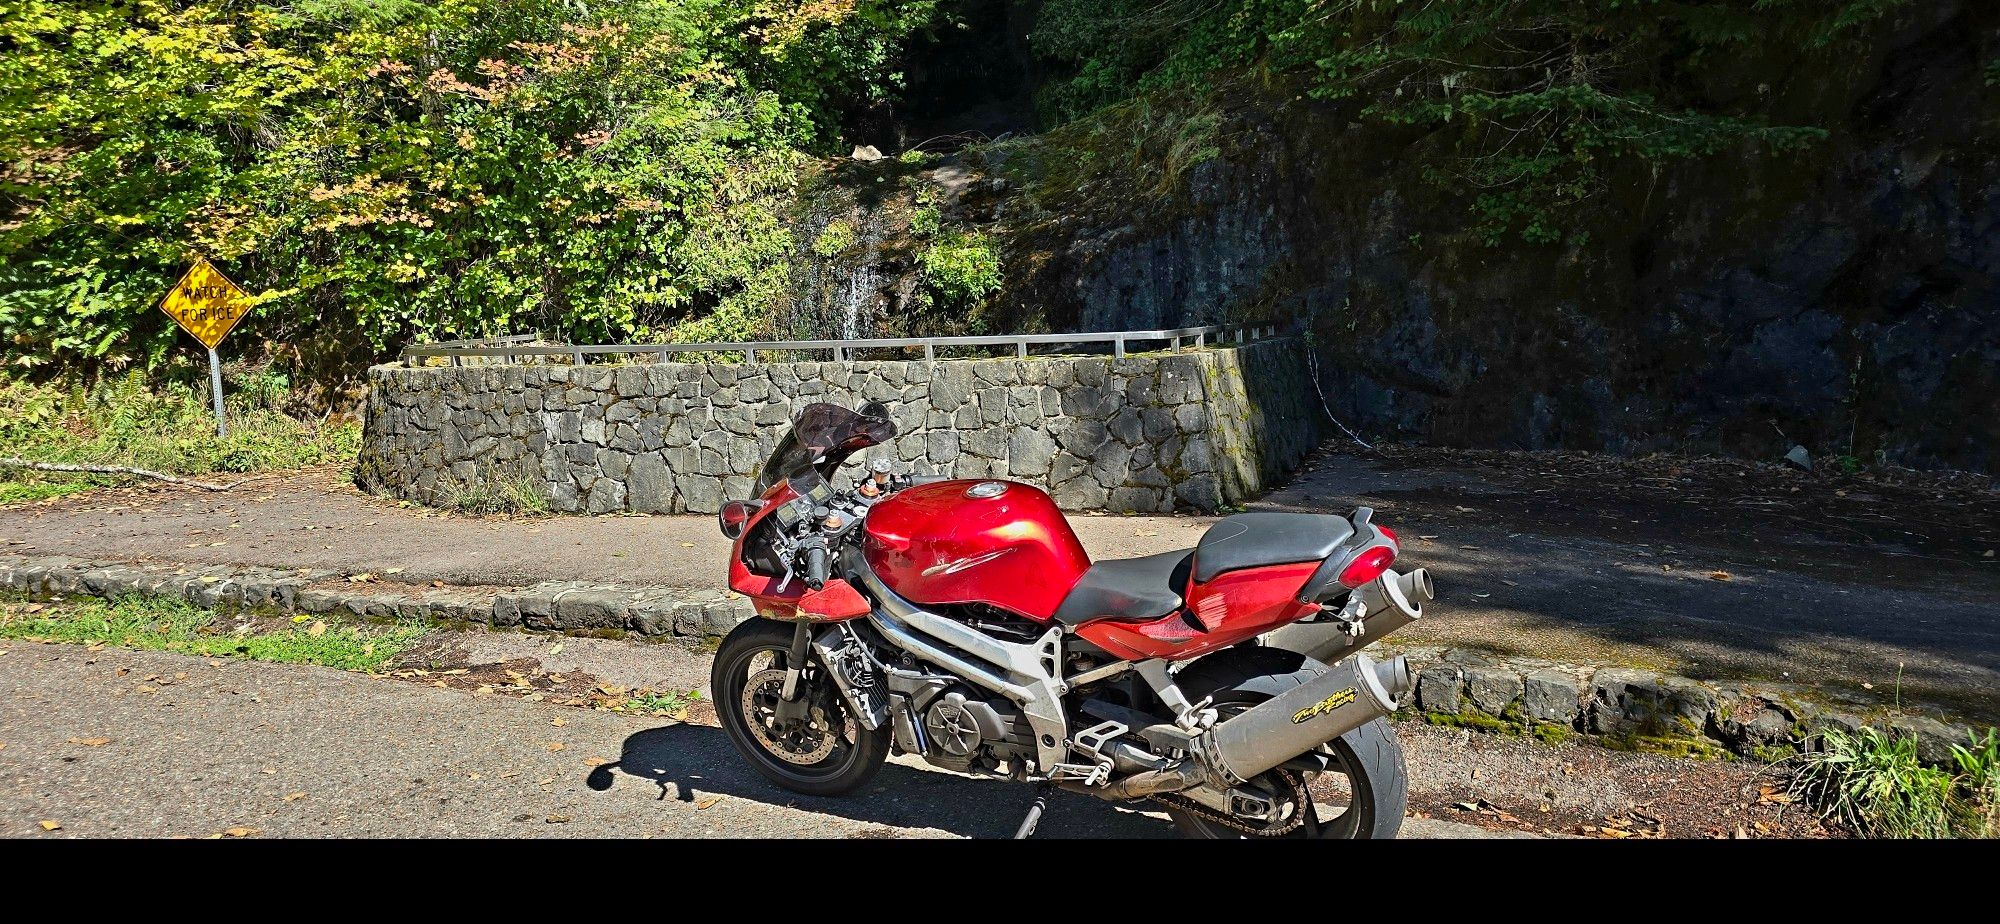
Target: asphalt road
119,743
1526,563
315,519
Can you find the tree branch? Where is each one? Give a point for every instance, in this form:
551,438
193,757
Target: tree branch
15,462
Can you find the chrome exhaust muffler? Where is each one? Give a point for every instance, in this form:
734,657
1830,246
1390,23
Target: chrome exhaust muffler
1387,603
1350,694
1393,601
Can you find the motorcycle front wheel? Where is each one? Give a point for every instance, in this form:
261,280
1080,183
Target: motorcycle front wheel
824,751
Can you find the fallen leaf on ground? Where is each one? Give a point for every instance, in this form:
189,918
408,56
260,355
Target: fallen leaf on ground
558,722
596,761
706,803
556,648
392,571
317,629
90,742
362,578
554,746
1718,575
558,819
48,825
239,831
294,797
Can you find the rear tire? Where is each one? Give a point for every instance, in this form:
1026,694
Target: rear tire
1369,757
853,753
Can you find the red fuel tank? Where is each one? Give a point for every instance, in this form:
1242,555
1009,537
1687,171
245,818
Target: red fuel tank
959,542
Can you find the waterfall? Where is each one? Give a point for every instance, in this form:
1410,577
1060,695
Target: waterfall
860,291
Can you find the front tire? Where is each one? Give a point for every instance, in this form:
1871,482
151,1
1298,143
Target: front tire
825,754
1373,782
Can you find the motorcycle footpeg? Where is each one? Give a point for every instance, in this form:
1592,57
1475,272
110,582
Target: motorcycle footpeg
1089,774
1091,741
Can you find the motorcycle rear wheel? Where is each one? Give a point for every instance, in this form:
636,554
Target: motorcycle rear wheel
827,754
1369,758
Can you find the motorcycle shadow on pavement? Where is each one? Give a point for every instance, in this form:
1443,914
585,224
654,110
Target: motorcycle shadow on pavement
690,762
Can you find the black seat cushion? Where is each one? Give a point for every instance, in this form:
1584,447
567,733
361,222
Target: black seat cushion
1253,540
1127,588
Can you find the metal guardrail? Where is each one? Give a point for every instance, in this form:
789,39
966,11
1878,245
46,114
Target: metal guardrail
512,349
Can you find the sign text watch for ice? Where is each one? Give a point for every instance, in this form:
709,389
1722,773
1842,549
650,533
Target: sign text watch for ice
207,305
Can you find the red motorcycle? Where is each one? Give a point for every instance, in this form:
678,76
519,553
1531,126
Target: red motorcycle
962,622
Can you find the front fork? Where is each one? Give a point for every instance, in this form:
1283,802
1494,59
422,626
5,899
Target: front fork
791,706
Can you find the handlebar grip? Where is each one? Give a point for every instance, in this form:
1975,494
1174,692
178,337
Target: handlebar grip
816,567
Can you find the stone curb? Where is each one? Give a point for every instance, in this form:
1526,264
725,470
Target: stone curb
1617,706
1636,709
556,606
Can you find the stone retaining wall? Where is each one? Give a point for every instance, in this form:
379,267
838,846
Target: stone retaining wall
1149,433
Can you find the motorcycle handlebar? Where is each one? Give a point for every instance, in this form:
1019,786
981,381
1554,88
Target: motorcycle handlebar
816,566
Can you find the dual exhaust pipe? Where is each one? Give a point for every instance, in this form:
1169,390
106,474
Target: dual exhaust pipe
1343,698
1349,692
1353,691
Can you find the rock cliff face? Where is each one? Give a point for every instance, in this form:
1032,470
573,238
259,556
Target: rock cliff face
1846,297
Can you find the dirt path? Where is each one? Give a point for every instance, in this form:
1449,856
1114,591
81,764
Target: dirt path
120,743
1711,569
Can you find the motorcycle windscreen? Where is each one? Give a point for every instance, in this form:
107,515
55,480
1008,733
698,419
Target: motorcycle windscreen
821,438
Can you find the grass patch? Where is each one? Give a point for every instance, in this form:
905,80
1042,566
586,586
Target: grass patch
496,495
1474,721
159,624
170,428
1683,747
1872,781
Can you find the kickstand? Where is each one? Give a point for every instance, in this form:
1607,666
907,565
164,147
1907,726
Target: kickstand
1034,812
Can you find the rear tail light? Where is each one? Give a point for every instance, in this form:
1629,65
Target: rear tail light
1367,566
735,515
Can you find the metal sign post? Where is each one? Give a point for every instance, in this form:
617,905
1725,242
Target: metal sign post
215,391
207,305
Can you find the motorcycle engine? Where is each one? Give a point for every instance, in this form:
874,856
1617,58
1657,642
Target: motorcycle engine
961,731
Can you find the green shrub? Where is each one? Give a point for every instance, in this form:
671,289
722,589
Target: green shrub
1872,781
374,170
171,428
960,268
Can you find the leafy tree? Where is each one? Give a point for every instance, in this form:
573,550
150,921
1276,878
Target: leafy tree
375,170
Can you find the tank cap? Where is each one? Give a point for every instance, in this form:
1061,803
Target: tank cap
986,489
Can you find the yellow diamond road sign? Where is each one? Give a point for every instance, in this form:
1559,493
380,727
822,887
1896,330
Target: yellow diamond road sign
205,303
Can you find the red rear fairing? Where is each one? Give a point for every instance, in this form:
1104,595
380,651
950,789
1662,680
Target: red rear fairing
1237,605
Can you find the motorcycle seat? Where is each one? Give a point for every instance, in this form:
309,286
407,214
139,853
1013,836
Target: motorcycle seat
1255,540
1127,589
